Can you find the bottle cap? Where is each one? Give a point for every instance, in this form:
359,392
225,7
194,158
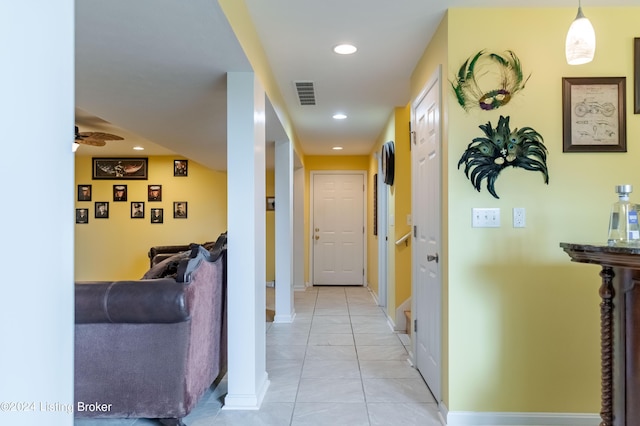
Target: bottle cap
624,189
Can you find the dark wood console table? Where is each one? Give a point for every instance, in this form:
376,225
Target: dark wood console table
619,328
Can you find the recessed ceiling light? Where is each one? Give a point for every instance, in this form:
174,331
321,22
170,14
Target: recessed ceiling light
138,148
339,116
337,148
345,49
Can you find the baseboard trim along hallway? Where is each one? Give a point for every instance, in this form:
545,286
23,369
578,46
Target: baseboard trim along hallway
469,418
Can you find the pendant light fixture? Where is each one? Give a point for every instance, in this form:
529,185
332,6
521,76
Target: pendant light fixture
580,45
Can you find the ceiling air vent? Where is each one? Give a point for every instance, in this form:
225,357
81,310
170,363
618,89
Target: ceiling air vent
306,92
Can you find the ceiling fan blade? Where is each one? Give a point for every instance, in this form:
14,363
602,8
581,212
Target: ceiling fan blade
91,141
99,136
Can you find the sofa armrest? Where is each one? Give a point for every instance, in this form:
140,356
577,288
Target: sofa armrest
143,301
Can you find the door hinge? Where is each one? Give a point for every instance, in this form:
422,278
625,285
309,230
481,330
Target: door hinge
363,272
415,325
415,231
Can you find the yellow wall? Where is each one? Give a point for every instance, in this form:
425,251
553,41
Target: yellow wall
271,229
328,162
116,248
523,321
402,198
399,257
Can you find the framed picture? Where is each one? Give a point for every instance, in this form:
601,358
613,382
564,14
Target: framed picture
82,215
102,210
120,168
157,215
636,75
179,209
271,203
594,114
137,210
119,192
84,192
154,192
180,167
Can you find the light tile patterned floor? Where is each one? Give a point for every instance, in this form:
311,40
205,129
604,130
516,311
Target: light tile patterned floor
338,363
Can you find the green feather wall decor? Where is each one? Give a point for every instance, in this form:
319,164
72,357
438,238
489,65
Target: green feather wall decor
499,148
501,73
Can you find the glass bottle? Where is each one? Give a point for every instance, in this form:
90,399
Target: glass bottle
623,222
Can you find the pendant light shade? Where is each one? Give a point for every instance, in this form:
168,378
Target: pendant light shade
580,45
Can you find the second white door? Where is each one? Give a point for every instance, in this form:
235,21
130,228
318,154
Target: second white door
338,229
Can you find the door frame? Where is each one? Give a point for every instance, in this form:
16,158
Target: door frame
383,228
434,81
312,175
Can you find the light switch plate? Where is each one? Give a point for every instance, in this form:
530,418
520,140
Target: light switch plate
485,217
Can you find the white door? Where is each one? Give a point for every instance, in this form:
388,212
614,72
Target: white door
426,217
338,229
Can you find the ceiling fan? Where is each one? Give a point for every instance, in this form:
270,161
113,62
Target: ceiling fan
95,138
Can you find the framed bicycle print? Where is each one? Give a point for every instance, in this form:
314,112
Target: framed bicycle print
594,114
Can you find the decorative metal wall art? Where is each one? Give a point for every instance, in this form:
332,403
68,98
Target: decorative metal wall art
502,74
486,156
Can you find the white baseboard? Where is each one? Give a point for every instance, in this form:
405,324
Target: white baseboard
470,418
247,401
284,319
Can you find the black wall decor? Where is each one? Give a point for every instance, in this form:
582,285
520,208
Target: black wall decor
485,157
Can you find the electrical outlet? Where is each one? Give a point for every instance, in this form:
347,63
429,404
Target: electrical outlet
519,217
485,218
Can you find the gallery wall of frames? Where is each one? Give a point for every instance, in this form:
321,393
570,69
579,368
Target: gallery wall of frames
125,173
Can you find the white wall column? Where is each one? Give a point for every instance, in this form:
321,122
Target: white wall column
246,263
285,310
37,218
298,229
383,233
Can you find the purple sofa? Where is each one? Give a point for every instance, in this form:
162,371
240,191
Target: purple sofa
150,348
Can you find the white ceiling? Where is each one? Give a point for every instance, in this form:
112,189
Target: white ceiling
153,71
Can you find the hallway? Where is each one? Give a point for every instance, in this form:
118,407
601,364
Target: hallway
338,363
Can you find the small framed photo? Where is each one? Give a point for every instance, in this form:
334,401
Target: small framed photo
179,209
102,210
154,192
82,215
271,203
84,192
594,114
180,167
119,192
157,215
137,210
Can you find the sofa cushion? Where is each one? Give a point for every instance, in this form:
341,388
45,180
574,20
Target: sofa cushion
168,268
153,301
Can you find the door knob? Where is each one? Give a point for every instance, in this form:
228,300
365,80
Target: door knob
431,258
317,229
317,237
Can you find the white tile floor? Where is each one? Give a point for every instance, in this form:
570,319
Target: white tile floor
338,363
